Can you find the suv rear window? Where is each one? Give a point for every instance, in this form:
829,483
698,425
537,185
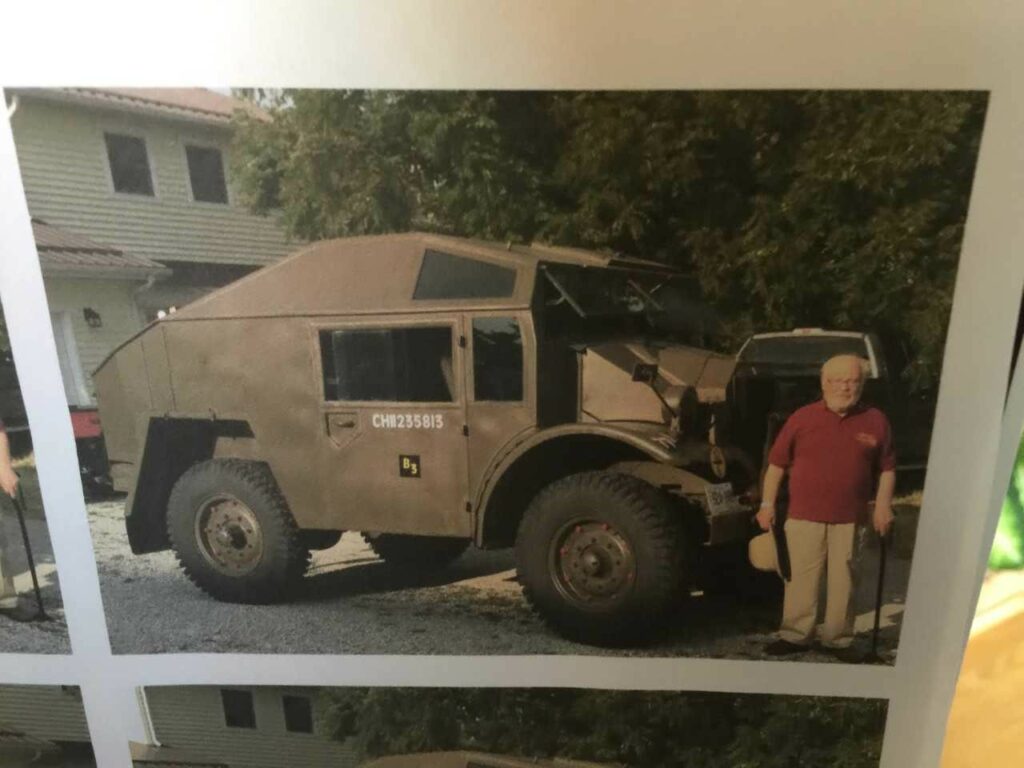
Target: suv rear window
445,276
801,352
404,365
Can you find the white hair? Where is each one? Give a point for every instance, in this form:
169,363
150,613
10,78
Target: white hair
837,360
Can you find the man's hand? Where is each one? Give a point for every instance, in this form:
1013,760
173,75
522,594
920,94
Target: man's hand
765,517
882,519
8,481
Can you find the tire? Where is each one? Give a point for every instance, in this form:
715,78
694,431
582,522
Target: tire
619,587
316,540
233,534
416,552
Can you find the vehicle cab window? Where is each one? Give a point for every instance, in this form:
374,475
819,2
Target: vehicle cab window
447,276
497,359
401,365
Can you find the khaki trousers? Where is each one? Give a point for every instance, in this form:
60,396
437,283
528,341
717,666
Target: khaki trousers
8,595
815,548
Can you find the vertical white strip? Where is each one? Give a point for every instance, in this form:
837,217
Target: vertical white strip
35,355
962,498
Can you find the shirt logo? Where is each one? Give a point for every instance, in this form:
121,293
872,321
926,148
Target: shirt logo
864,438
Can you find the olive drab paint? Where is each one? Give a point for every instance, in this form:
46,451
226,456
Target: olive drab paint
454,359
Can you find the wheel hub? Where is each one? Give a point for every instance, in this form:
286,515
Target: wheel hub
593,563
229,535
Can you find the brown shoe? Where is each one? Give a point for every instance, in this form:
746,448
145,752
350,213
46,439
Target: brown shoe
782,647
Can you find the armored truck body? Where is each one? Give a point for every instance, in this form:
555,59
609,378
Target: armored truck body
430,392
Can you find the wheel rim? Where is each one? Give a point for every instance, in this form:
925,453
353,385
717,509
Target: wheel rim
229,535
592,563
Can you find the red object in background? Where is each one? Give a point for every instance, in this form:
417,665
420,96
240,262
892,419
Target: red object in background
86,423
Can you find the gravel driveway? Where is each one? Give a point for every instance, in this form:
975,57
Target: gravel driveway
355,603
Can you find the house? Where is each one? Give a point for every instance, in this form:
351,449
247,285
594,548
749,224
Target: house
149,756
44,725
239,727
133,209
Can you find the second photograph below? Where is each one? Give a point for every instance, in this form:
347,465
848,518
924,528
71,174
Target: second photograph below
274,727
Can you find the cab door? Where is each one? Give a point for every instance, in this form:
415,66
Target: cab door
393,421
500,385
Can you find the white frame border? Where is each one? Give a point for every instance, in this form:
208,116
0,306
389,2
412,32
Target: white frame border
475,44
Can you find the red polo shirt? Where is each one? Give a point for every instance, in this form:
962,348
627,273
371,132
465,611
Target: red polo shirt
833,461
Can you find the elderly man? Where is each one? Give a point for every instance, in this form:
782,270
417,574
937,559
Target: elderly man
10,605
837,451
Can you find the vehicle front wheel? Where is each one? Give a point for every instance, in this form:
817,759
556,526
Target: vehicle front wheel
600,558
233,534
416,552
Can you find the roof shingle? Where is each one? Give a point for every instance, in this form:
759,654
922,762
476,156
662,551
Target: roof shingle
61,251
200,104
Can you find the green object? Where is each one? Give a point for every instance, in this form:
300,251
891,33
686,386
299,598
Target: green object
1008,546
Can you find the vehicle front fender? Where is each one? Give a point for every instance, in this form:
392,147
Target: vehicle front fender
536,459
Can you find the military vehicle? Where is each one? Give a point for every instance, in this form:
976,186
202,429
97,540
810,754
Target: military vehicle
432,392
468,759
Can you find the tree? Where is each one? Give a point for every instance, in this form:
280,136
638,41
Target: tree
815,208
634,728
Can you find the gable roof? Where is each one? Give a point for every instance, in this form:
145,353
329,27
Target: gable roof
68,254
195,104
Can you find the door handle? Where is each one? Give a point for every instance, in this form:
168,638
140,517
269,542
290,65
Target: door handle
342,427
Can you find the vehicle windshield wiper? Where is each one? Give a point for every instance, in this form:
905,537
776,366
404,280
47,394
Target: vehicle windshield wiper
565,293
646,297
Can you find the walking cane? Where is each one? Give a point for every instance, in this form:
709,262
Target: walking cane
873,657
19,507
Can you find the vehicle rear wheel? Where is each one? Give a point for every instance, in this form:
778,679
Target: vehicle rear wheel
424,552
233,534
600,558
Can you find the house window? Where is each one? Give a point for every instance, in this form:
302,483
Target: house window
497,359
239,711
406,365
298,714
444,276
206,174
129,164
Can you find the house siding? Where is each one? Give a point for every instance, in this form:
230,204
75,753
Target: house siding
115,303
48,712
63,163
192,718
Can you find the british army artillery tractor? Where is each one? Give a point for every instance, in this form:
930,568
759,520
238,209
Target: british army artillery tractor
431,393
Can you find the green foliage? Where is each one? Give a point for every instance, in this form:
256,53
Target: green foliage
836,209
648,729
1008,546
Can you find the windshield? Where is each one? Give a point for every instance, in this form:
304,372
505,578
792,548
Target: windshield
800,352
598,302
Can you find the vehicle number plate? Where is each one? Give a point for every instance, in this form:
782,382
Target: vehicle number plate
721,499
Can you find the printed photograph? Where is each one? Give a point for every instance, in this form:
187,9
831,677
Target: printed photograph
467,372
268,727
43,725
31,609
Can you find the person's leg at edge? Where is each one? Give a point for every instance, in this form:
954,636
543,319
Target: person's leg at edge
8,595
